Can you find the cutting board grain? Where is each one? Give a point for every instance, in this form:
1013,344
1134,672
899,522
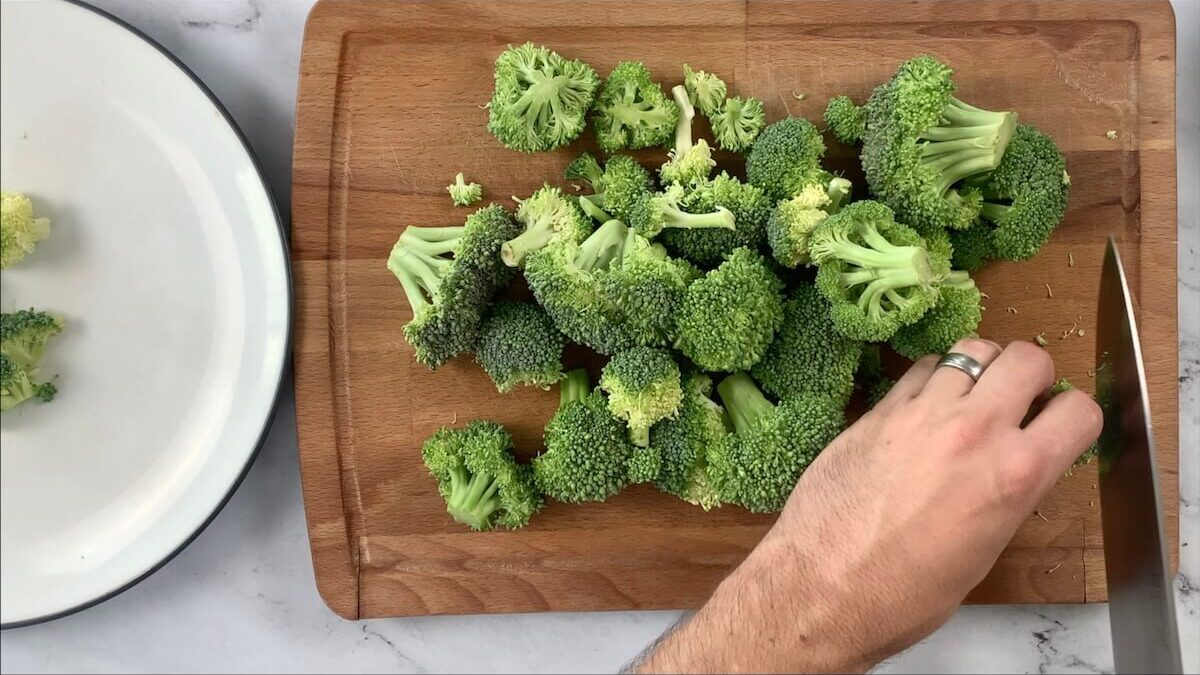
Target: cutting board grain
389,109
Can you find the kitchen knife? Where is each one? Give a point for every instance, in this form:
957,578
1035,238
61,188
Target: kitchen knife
1141,607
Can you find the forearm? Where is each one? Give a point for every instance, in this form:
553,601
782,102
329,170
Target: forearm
768,616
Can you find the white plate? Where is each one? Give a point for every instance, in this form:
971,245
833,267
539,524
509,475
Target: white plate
167,260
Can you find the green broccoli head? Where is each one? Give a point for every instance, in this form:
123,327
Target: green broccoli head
846,120
758,465
19,230
463,193
786,159
683,442
956,315
519,345
792,223
972,248
568,280
587,450
657,211
728,318
449,295
17,385
876,272
705,90
644,465
809,356
647,288
920,142
547,215
616,187
540,100
1026,196
643,387
482,483
737,123
689,162
23,338
632,111
707,247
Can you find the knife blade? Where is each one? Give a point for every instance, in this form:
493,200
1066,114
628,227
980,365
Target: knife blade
1141,604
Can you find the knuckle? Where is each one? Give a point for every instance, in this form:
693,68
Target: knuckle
978,348
965,433
1020,476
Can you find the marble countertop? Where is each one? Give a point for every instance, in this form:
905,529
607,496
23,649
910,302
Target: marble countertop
242,597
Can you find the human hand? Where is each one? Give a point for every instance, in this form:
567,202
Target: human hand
895,522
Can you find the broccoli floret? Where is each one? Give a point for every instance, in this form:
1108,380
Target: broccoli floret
737,123
728,318
643,387
707,247
644,465
23,338
845,119
1092,450
547,215
657,211
871,376
689,162
786,159
920,142
632,111
972,247
463,193
587,450
1026,196
647,287
683,443
616,187
567,280
808,355
793,220
706,91
449,296
482,483
540,100
19,230
956,315
876,272
758,465
519,345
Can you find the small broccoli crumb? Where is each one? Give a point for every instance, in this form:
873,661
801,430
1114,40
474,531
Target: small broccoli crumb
1049,291
1039,515
1111,134
463,193
1011,310
799,96
1070,260
1054,569
1040,338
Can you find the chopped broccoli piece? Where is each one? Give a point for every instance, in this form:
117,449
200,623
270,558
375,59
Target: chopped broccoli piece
519,345
728,318
540,100
449,296
758,465
972,247
644,465
705,90
587,450
657,211
683,443
1026,196
463,193
19,230
23,338
616,187
956,315
632,111
643,387
647,287
737,123
872,377
846,120
707,247
689,162
482,483
547,215
786,159
808,355
920,142
793,220
876,272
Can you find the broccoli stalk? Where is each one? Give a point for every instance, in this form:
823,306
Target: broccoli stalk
882,267
745,403
968,141
546,215
417,262
689,162
657,211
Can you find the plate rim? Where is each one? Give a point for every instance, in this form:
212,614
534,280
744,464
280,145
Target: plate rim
289,331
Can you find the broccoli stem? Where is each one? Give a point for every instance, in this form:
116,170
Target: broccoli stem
744,401
591,205
453,232
536,235
884,282
602,246
968,141
573,387
994,212
472,500
639,435
958,279
838,192
878,253
673,216
687,112
420,273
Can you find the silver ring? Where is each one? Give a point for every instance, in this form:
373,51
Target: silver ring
962,362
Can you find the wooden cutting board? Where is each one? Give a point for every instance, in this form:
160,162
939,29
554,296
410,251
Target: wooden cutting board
390,108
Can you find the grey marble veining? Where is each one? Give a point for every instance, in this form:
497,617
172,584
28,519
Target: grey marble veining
242,597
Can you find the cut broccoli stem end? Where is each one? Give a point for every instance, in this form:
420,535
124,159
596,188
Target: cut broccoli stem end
683,130
573,387
639,435
958,279
603,246
536,236
472,498
419,275
838,192
678,218
591,205
744,401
